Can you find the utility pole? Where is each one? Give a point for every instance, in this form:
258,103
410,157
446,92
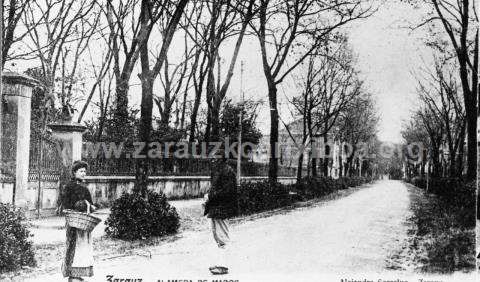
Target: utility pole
239,146
240,118
428,170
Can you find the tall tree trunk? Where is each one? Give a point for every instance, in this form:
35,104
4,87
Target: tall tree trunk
198,97
325,157
299,167
453,167
184,107
142,170
221,91
472,113
435,162
193,116
215,121
304,139
422,168
208,127
147,77
314,158
166,112
461,153
471,116
210,93
121,99
313,146
273,161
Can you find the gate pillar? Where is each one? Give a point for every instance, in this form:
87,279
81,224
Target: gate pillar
69,134
17,94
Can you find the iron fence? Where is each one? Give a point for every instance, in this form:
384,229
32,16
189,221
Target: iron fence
175,167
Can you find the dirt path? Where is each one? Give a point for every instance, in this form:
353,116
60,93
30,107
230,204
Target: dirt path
51,230
351,237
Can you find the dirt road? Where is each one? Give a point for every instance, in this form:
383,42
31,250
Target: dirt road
349,238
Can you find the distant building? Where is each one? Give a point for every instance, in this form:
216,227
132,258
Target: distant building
289,149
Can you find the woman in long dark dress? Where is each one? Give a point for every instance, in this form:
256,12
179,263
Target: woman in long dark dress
221,204
79,252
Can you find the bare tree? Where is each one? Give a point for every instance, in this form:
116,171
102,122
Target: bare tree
99,75
460,23
197,31
172,84
150,10
59,41
188,85
357,123
12,34
285,28
225,17
439,92
209,25
425,127
338,85
126,34
329,85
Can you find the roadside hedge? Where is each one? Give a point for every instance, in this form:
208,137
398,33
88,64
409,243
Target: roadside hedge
458,197
256,197
16,249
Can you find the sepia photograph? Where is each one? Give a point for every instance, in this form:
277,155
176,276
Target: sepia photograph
239,140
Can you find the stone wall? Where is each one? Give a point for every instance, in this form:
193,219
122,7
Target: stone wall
49,194
105,189
6,192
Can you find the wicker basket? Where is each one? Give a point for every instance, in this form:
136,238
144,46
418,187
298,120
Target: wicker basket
81,220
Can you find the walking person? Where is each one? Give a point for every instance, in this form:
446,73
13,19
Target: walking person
78,260
220,204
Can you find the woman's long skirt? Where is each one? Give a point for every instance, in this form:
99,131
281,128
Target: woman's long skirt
79,254
221,236
220,232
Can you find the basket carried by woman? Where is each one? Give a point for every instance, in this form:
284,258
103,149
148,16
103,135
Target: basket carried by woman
80,220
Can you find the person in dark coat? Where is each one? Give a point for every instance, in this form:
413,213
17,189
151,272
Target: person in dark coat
220,204
78,260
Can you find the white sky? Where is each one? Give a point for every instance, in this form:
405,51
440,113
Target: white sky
387,53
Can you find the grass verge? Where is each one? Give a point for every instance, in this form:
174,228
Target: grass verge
436,243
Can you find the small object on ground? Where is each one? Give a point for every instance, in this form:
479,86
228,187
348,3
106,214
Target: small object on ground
218,270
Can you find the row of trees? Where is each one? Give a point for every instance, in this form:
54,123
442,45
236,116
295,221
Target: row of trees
446,119
89,51
440,121
333,102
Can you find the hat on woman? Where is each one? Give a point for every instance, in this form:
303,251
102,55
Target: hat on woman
78,165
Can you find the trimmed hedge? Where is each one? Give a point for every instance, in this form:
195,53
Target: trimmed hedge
15,248
135,217
256,197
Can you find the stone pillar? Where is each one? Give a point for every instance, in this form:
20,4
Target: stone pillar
70,136
17,94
